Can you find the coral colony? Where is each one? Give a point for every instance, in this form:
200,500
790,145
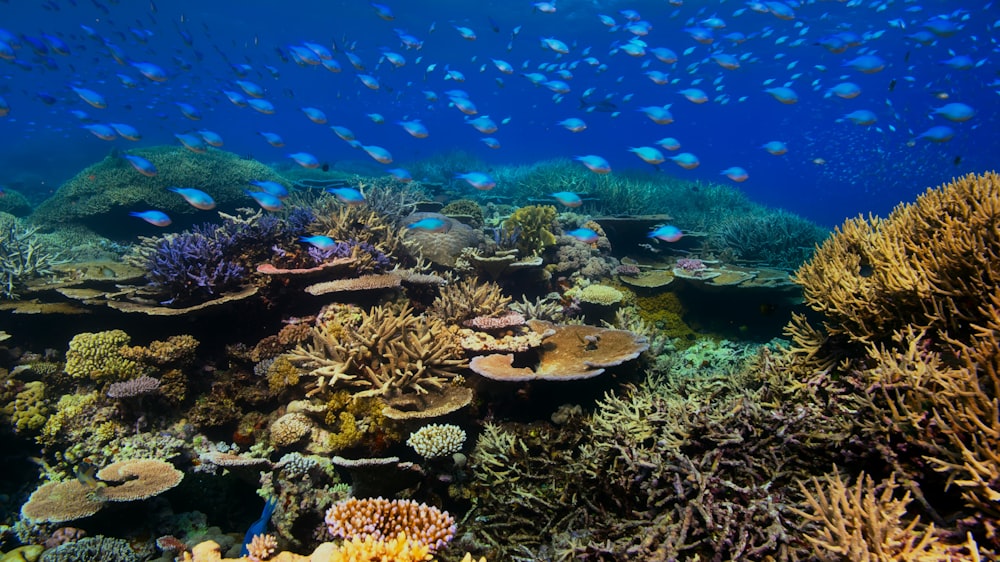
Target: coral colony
495,388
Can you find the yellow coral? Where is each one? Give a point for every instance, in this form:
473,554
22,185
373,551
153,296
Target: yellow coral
281,375
534,225
599,294
666,312
29,411
369,549
69,410
97,356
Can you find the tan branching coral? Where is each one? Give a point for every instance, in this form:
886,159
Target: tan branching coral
925,266
869,522
384,352
467,299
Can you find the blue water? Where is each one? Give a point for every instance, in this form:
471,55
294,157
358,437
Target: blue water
833,169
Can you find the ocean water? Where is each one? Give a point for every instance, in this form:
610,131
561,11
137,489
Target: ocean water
933,53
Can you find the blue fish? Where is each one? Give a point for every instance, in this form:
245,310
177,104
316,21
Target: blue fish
567,198
155,218
143,166
584,235
430,224
347,195
667,233
304,159
319,241
272,187
267,201
196,197
259,527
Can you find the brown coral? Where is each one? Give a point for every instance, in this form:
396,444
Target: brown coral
926,266
468,299
568,352
138,479
58,502
382,352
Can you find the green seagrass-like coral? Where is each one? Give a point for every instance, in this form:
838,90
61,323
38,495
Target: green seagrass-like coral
97,356
533,225
112,187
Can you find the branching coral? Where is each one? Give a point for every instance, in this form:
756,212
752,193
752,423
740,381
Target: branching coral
927,266
23,256
868,522
381,352
467,299
776,238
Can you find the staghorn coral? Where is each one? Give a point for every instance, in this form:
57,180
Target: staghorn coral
23,256
383,352
868,522
361,225
925,266
467,299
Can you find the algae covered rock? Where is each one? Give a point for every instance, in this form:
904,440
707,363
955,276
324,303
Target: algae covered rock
102,195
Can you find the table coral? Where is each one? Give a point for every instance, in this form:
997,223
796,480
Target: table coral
97,356
137,479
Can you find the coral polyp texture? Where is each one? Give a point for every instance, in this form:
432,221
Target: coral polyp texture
437,440
382,519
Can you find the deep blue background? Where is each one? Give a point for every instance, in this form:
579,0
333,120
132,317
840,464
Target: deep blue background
866,169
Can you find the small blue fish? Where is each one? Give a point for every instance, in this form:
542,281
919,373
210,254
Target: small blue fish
304,159
150,71
594,163
667,233
478,180
143,166
196,197
347,195
320,242
126,131
259,527
315,115
267,201
272,187
567,198
191,142
344,133
101,131
383,11
430,224
399,174
210,137
188,110
957,112
91,97
261,106
941,133
585,235
155,218
272,139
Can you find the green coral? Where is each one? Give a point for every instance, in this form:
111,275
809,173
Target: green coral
70,410
14,203
466,208
97,356
112,187
534,225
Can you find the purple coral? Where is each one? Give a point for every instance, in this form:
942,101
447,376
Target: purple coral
133,388
191,265
691,265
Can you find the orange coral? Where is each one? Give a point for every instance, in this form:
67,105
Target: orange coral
378,518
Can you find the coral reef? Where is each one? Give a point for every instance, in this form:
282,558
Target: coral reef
775,238
437,440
